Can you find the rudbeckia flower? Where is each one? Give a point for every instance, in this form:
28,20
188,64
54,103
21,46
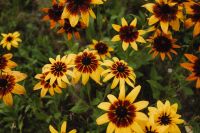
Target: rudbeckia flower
70,31
54,13
76,9
166,12
63,129
102,48
9,85
194,67
120,71
165,116
123,114
10,39
45,86
5,63
87,65
128,34
193,9
59,69
162,44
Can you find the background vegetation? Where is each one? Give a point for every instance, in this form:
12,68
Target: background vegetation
159,80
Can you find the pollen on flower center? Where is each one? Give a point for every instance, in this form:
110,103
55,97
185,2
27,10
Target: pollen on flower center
164,119
121,68
86,61
162,44
128,33
6,84
102,48
122,113
56,12
3,83
9,39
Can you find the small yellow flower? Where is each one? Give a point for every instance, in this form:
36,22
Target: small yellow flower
76,9
59,69
87,65
102,48
122,114
120,71
46,86
128,34
194,67
63,129
162,44
9,85
10,39
166,12
5,63
165,117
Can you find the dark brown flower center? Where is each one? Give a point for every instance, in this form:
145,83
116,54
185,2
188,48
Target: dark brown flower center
128,33
197,68
162,44
102,48
150,130
55,12
122,113
9,38
86,63
196,9
164,119
120,70
3,62
179,1
46,84
7,83
58,69
77,6
165,12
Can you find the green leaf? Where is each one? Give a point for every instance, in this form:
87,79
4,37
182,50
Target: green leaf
80,107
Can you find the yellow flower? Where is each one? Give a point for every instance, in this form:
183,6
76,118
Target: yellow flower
128,34
5,63
54,13
70,31
162,44
120,71
194,67
10,39
102,48
63,129
166,13
87,65
59,69
76,9
46,86
9,85
165,116
122,114
193,9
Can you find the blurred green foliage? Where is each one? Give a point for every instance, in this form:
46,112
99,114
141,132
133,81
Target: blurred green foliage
77,105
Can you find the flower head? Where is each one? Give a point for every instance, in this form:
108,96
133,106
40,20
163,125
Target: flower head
120,71
9,85
76,9
70,31
166,13
162,44
54,13
63,129
5,63
45,86
194,67
165,116
102,48
123,114
10,39
87,65
128,34
193,10
59,69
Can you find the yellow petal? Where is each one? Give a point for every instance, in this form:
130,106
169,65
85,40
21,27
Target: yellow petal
122,91
43,92
112,98
140,39
85,78
116,27
73,19
149,7
124,22
102,119
136,127
116,38
108,77
134,46
114,83
52,129
133,94
134,22
8,100
64,127
85,17
196,29
73,131
18,89
175,24
164,26
125,45
104,106
141,105
111,127
152,20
